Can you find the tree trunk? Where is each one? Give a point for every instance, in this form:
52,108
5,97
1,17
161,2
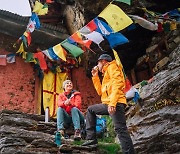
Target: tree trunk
74,17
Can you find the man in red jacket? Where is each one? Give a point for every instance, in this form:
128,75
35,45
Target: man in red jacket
69,106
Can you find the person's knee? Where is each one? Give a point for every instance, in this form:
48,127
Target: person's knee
60,109
90,109
74,109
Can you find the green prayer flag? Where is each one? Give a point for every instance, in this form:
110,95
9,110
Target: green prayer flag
30,57
74,50
124,1
45,6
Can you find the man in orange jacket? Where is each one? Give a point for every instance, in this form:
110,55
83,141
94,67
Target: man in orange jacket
113,102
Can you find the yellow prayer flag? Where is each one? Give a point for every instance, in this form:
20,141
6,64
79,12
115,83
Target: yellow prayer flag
115,17
40,9
33,61
150,12
37,7
118,61
79,60
24,54
43,11
21,49
173,25
59,51
25,34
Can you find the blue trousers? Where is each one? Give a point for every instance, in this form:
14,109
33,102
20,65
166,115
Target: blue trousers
64,119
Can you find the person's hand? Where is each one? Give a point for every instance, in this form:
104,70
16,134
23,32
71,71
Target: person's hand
94,71
67,102
111,109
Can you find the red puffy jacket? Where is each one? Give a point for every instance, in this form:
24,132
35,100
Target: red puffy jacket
75,101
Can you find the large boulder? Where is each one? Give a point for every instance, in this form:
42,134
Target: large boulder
26,133
29,134
155,125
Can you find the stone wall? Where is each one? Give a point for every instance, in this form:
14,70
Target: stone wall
17,83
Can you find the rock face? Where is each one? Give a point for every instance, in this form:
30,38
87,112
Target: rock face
23,133
155,125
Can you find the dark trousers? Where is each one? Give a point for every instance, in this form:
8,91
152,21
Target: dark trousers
119,121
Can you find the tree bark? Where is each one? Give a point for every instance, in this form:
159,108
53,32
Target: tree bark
74,17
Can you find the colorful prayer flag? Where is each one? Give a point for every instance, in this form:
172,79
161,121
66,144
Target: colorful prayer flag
149,12
23,38
85,30
94,36
11,58
77,38
87,43
34,18
115,17
74,50
118,61
21,49
46,52
43,11
144,23
114,39
38,6
49,1
59,51
124,1
173,25
128,84
31,25
24,55
166,26
28,37
52,54
30,58
42,62
91,25
103,28
40,9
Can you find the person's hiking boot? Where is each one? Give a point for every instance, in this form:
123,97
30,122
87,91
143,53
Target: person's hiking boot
90,143
77,135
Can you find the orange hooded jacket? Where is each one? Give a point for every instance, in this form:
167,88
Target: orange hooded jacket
75,101
113,84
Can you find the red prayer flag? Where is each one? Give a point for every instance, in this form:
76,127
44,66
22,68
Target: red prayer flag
49,1
28,38
128,85
42,62
92,25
